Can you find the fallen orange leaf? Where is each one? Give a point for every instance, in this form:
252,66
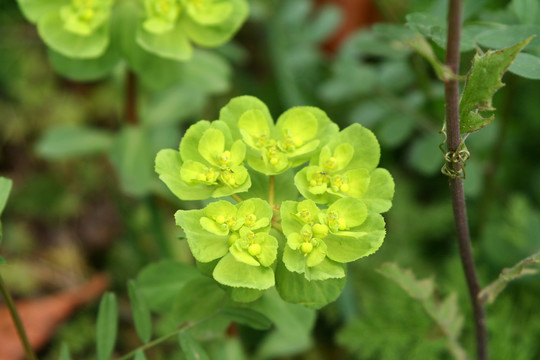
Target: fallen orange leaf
43,315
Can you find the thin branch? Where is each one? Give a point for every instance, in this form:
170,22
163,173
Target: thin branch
17,321
237,198
456,184
271,191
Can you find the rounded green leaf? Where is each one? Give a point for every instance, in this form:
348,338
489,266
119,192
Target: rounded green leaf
213,35
315,294
169,166
344,249
107,326
211,145
380,192
299,124
204,245
209,12
352,211
172,44
233,111
53,33
233,273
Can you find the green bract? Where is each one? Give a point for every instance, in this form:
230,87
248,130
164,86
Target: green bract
320,241
238,235
209,163
310,244
273,149
346,166
171,25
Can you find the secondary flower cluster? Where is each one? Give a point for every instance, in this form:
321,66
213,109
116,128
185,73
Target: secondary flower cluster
83,28
338,222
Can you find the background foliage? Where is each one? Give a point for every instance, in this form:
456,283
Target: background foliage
86,199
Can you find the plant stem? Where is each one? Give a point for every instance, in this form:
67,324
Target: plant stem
456,184
237,198
17,321
161,339
271,191
130,109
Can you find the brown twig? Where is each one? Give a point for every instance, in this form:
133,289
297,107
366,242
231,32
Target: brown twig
456,183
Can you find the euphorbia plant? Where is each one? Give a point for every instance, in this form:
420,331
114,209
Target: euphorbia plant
264,233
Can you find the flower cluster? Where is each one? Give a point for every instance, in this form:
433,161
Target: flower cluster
167,28
259,243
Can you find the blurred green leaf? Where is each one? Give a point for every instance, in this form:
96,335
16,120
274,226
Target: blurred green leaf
2,260
84,69
247,317
5,189
483,80
161,283
107,326
173,106
139,355
527,11
445,314
132,158
293,323
141,314
527,66
424,154
509,35
64,352
191,348
231,350
51,30
65,141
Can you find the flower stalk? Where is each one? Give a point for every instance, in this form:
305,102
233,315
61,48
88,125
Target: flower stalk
456,183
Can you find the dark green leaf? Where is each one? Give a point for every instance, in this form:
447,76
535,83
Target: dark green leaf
191,348
248,317
161,283
424,155
85,69
2,260
107,326
483,80
295,288
527,11
141,314
66,141
133,159
527,66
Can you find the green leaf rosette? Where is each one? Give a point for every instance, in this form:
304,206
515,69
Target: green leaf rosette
209,163
76,28
170,26
273,149
320,242
347,167
237,235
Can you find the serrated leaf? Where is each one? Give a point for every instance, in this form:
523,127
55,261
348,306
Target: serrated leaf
483,80
107,326
64,352
522,268
245,316
191,348
445,314
141,314
65,141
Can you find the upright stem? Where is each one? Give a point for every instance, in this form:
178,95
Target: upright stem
271,191
17,321
456,184
130,105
